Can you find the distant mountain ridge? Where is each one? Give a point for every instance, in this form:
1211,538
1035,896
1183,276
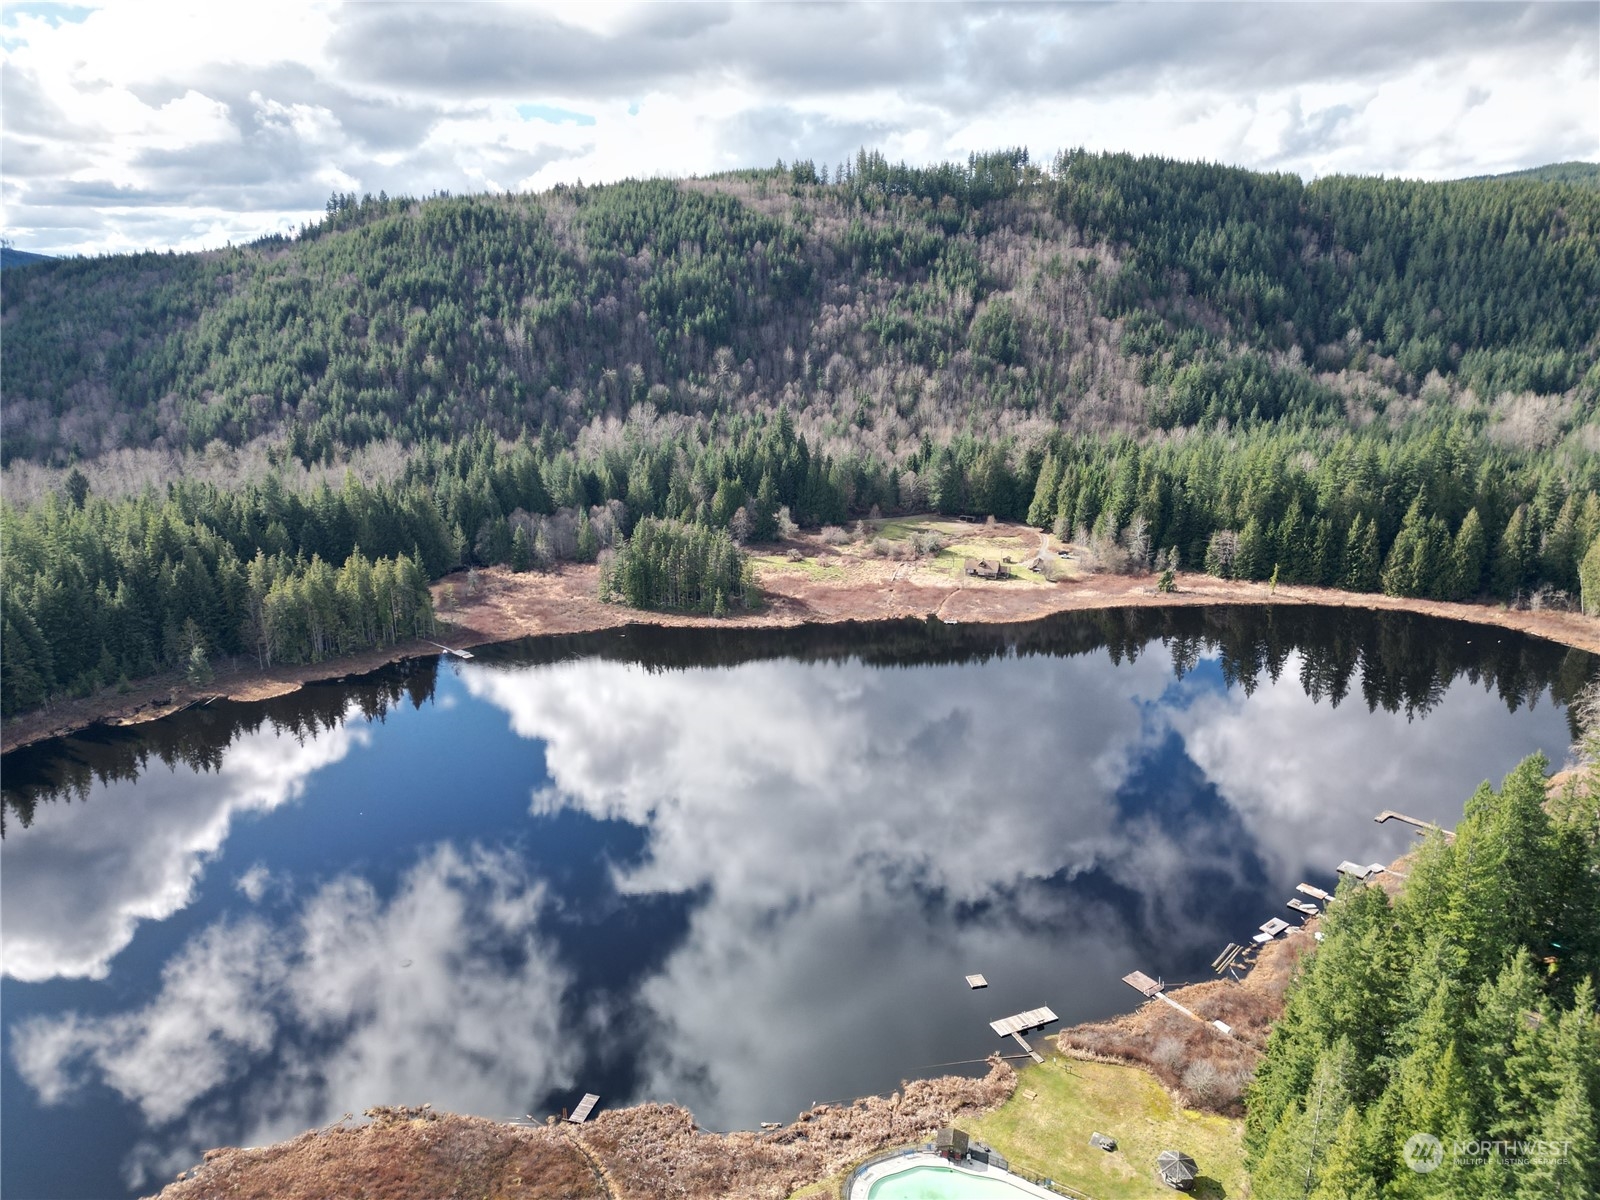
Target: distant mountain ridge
10,257
879,303
1583,174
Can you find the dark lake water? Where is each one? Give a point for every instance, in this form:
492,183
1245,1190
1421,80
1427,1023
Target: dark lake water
745,872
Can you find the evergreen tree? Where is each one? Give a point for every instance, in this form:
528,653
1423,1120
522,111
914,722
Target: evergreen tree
1361,561
1589,579
1042,511
1467,557
521,550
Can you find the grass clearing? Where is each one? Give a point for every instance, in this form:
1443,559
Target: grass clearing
806,566
1050,1132
952,558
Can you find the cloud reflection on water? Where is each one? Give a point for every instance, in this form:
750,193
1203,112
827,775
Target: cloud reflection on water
446,992
850,839
850,825
135,851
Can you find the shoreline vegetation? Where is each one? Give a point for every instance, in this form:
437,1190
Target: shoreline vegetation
896,570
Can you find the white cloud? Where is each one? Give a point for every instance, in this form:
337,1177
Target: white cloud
134,851
114,123
253,884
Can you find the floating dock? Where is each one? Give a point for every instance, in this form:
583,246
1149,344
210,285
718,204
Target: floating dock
585,1107
1304,906
1143,984
449,649
1357,871
1022,1022
977,981
1274,927
1315,893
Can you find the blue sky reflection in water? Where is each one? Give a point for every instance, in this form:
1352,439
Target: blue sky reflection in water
585,865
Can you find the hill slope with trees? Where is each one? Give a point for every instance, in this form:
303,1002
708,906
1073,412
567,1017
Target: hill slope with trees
1463,1012
1368,383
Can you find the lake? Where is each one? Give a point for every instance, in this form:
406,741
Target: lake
745,871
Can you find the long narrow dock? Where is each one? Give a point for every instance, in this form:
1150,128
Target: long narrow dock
1154,989
1422,826
449,649
1315,893
1027,1049
585,1107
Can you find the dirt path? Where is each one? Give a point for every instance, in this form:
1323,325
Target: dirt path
831,585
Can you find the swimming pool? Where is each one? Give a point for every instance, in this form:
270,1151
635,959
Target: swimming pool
925,1177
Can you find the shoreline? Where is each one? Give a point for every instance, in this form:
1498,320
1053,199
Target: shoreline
827,587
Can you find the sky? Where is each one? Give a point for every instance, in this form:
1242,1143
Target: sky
158,125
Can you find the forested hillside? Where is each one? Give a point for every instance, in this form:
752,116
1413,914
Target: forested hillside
1360,382
1463,1012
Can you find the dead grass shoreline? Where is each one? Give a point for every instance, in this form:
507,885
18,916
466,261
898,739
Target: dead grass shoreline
830,585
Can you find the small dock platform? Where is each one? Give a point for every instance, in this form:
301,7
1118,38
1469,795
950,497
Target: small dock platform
1303,906
449,649
1143,984
585,1107
1274,927
1022,1022
1357,871
1315,893
977,981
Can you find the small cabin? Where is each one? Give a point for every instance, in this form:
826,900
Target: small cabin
986,568
1177,1170
952,1144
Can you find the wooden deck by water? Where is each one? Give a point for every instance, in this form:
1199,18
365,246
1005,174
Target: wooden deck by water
1024,1021
585,1107
1142,983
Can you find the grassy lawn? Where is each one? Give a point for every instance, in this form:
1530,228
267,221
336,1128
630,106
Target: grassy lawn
809,566
1050,1133
952,558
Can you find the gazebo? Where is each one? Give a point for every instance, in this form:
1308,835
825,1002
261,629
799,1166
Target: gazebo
1177,1170
952,1144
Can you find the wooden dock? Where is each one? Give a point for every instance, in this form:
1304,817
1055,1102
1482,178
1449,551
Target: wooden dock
449,649
1022,1022
1274,927
1315,893
1226,960
977,981
1027,1049
1303,906
1357,871
1422,826
1143,984
585,1107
